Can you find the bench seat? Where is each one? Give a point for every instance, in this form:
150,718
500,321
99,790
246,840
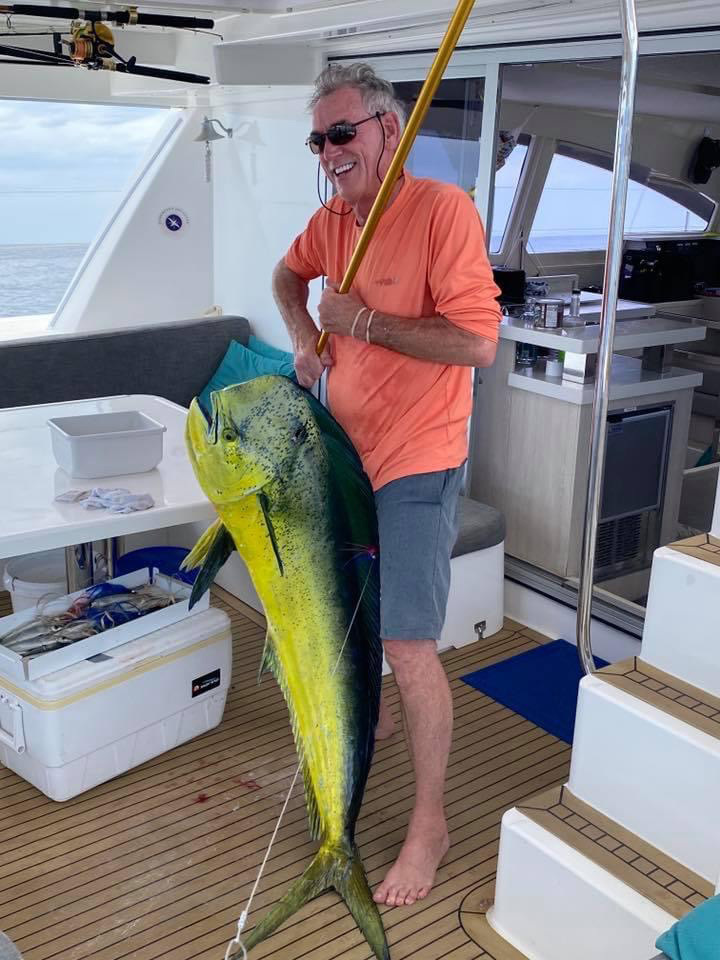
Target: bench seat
170,360
476,601
480,527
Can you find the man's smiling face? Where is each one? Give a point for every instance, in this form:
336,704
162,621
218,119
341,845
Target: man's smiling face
352,167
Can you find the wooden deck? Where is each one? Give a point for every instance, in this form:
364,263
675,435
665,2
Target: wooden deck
158,864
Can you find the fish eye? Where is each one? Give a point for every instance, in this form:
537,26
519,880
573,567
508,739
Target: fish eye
300,434
229,435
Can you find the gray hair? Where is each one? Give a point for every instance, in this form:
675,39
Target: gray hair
377,94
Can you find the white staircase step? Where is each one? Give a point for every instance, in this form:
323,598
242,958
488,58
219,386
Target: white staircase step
681,634
552,903
572,884
647,754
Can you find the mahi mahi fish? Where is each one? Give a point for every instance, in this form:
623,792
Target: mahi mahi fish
292,498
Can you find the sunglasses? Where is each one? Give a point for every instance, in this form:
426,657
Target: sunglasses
338,134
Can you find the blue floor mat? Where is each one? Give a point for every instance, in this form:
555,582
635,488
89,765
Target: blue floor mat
540,684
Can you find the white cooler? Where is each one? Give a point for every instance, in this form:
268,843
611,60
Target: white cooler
80,726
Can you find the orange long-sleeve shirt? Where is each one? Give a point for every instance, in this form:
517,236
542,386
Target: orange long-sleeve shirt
427,257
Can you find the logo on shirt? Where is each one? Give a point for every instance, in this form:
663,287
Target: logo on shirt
387,281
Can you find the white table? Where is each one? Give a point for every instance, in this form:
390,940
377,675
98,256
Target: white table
30,479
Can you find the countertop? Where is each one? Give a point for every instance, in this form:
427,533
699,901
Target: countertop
648,330
627,381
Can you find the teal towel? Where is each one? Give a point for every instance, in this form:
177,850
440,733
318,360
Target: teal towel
706,457
696,936
265,350
242,363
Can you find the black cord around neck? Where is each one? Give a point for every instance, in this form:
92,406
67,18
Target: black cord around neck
344,213
336,213
382,128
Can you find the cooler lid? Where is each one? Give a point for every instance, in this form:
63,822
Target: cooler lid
18,667
83,677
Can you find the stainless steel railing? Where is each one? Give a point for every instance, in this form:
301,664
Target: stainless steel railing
618,198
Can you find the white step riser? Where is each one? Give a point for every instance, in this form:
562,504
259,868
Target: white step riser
551,903
682,624
651,773
715,530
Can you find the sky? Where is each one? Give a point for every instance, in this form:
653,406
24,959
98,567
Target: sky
63,167
574,210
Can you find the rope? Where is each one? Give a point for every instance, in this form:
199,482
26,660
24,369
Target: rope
237,940
242,919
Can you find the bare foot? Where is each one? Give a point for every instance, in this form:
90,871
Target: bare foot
412,875
386,725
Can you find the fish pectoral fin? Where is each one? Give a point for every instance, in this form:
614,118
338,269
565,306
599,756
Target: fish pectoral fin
209,553
198,554
332,868
264,503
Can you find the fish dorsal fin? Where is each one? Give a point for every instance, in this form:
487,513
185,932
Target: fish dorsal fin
271,662
265,508
209,553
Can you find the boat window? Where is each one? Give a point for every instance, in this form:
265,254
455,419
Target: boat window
63,169
663,420
574,207
448,145
507,178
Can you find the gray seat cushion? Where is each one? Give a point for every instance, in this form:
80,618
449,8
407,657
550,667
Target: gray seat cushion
171,360
480,527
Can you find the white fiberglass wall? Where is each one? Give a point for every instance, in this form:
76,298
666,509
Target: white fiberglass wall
152,262
264,194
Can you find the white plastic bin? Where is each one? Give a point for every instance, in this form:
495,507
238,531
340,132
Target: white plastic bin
107,444
30,579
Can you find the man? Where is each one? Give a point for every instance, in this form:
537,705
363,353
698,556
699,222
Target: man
421,312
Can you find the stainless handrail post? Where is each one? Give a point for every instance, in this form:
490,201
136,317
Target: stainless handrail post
611,279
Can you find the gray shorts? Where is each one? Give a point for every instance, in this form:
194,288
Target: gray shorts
417,522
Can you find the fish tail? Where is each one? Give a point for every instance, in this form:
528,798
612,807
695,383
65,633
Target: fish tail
352,885
338,868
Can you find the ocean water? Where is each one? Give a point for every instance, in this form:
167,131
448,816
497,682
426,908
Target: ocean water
34,277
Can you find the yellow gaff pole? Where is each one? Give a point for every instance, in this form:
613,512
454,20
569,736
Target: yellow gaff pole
445,51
